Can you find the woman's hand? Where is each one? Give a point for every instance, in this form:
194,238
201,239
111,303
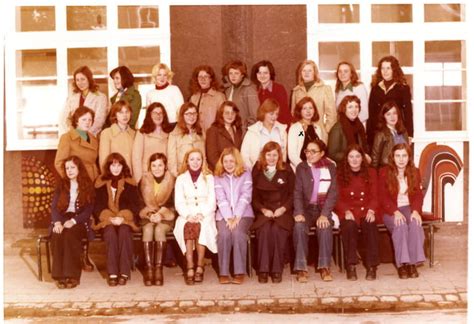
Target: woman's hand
322,222
348,215
279,211
69,223
415,216
370,217
399,218
57,228
267,213
299,219
155,218
117,221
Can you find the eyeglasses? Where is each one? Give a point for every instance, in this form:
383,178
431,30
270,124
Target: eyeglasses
190,114
156,113
311,151
204,77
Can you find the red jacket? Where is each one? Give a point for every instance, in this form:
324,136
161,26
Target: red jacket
279,94
388,202
358,196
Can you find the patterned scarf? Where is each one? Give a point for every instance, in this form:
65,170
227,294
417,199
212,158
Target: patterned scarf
324,181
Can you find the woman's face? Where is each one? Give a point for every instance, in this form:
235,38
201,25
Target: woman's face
307,111
235,76
229,163
157,116
204,80
271,117
271,157
229,115
313,153
391,117
84,122
82,82
72,170
263,75
190,116
117,81
344,73
354,158
161,78
116,168
352,110
401,158
157,168
123,116
386,71
307,73
195,161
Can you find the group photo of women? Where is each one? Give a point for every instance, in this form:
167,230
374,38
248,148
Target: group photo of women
241,157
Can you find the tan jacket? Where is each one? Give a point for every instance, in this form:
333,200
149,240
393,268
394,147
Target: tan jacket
72,143
156,202
97,101
179,144
208,105
324,99
113,140
144,146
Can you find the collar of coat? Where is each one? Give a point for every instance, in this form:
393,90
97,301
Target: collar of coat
245,82
115,130
385,90
113,202
101,182
157,200
75,136
317,84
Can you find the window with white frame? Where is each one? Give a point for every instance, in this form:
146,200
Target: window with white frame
47,40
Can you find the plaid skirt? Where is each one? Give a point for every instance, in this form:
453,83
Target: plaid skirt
191,231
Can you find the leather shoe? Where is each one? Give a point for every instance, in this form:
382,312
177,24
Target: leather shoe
72,283
122,281
238,279
325,274
263,277
276,277
302,276
112,281
224,280
412,272
371,273
61,284
403,272
351,272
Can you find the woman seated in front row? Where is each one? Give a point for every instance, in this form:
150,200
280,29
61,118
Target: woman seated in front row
315,196
233,186
72,207
401,200
157,217
272,200
195,202
116,206
356,206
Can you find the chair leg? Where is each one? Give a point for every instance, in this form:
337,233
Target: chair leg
431,238
249,257
48,255
40,266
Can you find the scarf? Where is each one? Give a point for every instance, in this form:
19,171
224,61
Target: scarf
115,180
322,184
308,85
83,134
194,174
270,172
162,87
353,131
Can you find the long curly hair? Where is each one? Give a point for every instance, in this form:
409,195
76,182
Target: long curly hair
194,84
411,171
112,158
184,166
382,123
398,75
148,124
93,87
220,115
344,171
354,77
86,192
262,161
181,122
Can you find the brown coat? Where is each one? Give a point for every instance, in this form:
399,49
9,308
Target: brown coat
112,140
144,145
217,139
208,105
178,144
161,201
71,143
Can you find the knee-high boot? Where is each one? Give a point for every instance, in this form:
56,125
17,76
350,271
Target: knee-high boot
148,273
86,262
159,256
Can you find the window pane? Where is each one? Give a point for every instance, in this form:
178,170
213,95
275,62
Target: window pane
36,63
444,12
94,58
37,18
338,14
403,51
38,109
330,54
138,17
443,93
391,13
139,59
86,18
444,116
444,51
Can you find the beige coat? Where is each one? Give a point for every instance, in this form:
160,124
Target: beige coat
144,145
113,140
179,144
324,99
97,101
72,143
208,105
194,198
156,202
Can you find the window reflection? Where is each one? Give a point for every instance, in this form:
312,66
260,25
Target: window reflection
36,63
138,17
139,59
335,14
403,51
391,13
86,18
95,58
35,18
330,54
444,12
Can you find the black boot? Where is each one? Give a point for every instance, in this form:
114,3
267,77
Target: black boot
86,262
148,273
159,256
